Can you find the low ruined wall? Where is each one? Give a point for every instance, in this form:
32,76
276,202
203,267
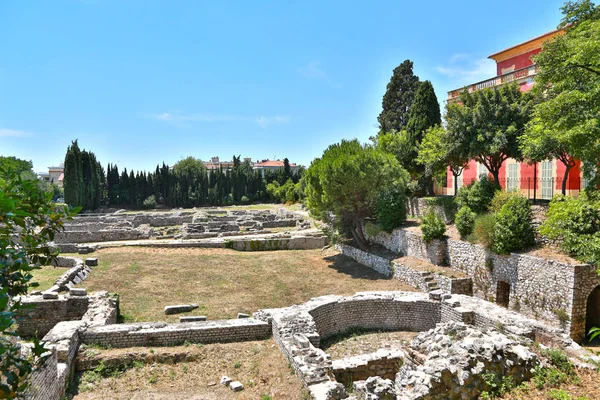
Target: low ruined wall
384,363
279,243
106,235
163,334
454,285
418,207
45,313
410,276
376,263
409,243
47,381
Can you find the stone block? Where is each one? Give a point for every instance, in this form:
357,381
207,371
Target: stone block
225,380
181,308
91,262
242,315
192,318
236,386
78,292
50,296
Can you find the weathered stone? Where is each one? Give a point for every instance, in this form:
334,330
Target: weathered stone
192,318
236,386
181,308
91,262
225,380
50,295
78,292
242,315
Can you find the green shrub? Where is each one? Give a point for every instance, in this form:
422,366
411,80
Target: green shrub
245,200
432,226
575,223
150,202
478,195
513,230
500,199
447,203
465,221
372,229
483,230
390,209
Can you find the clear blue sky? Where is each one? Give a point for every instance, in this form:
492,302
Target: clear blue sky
140,82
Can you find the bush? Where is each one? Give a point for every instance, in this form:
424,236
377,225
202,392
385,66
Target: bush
372,229
483,230
500,199
150,202
575,222
447,203
432,226
390,209
478,195
513,230
245,200
465,221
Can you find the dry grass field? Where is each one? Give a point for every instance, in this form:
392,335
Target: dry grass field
258,365
224,282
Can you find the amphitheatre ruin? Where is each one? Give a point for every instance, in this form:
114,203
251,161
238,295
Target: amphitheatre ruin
253,301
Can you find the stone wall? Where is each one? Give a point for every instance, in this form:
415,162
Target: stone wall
279,243
163,334
545,289
47,381
417,207
375,262
384,363
105,235
45,313
454,285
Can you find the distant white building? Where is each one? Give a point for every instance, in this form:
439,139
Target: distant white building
54,175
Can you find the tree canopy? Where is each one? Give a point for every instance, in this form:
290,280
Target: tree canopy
398,98
565,118
488,124
424,111
17,166
347,181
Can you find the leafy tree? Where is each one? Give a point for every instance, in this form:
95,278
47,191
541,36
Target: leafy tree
17,166
398,98
488,123
346,181
28,221
440,150
401,144
189,166
568,87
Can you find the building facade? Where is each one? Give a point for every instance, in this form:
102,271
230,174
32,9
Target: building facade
540,180
54,175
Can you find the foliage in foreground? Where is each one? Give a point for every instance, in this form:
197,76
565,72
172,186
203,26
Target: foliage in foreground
347,180
575,223
28,221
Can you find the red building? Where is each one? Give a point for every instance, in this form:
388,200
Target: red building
541,180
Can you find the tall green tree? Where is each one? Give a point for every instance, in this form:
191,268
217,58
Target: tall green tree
347,181
424,112
398,98
489,123
567,86
440,150
10,165
73,179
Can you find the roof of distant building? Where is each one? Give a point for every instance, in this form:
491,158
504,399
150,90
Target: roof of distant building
272,163
535,42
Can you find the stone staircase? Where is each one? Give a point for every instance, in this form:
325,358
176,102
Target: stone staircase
429,281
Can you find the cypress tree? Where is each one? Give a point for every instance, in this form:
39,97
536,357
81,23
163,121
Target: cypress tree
398,98
424,112
73,178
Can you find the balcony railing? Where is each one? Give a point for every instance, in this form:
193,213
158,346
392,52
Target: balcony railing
496,81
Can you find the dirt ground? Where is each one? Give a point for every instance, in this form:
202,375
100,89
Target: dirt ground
224,282
258,365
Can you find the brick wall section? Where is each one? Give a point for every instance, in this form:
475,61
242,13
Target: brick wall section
375,262
47,382
277,243
454,285
44,314
163,334
383,363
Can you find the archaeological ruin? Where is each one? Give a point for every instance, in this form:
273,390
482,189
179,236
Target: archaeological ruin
475,312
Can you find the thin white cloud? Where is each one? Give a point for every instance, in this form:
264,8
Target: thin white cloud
180,119
313,70
14,133
466,69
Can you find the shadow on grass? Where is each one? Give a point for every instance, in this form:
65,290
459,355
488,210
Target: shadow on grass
346,265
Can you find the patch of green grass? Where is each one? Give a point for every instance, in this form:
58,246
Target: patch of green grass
46,276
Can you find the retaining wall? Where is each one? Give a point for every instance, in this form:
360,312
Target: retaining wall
45,313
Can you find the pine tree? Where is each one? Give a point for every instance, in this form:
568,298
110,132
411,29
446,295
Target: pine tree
73,178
